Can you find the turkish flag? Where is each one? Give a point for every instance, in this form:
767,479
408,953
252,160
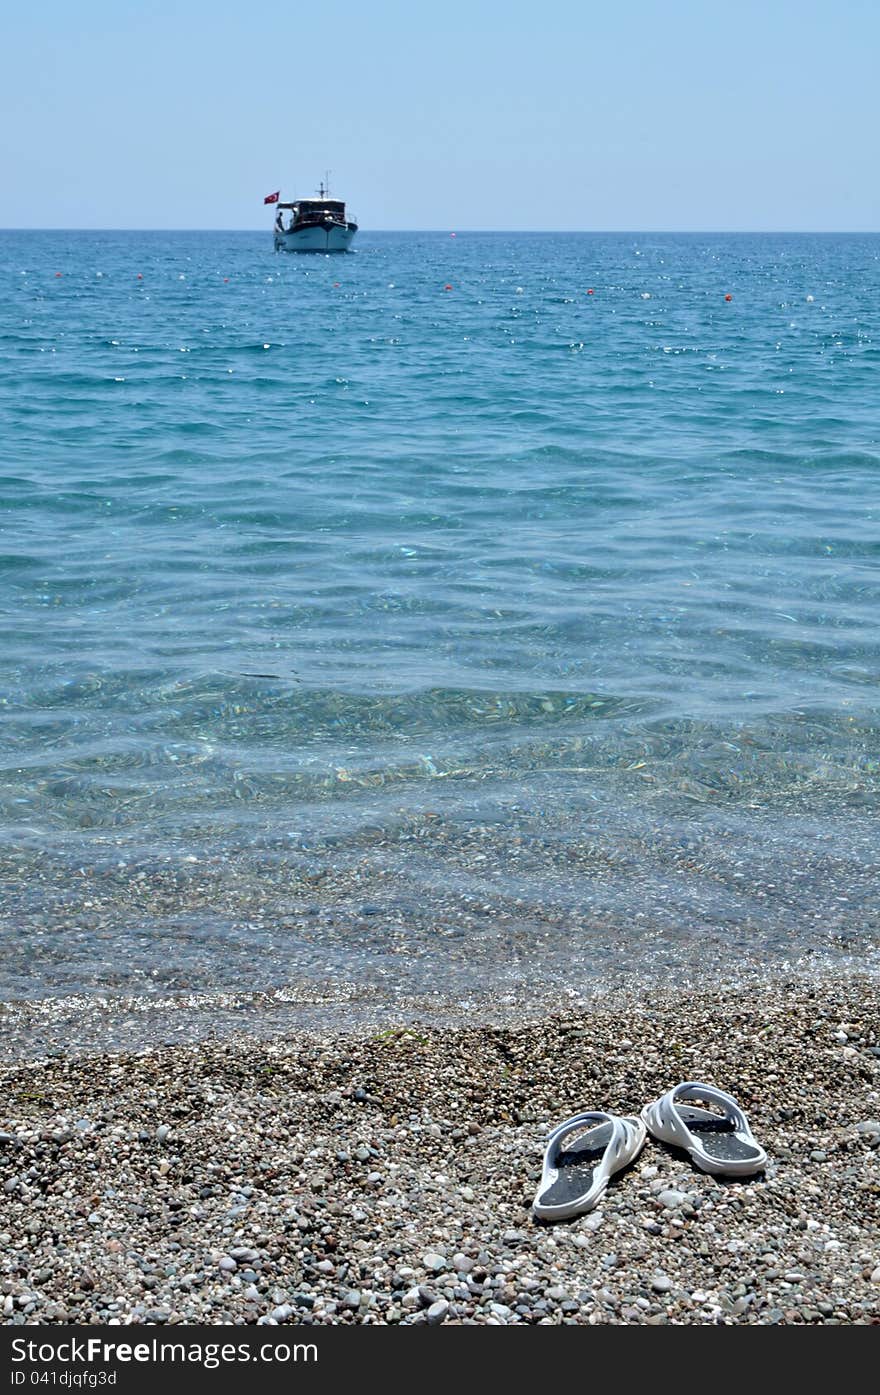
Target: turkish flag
273,198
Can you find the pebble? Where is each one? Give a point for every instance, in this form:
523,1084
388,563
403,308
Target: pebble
265,1198
671,1199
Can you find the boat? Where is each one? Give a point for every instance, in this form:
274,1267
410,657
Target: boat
316,225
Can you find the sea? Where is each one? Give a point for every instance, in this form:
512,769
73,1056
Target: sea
465,626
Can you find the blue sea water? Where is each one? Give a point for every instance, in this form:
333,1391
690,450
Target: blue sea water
465,615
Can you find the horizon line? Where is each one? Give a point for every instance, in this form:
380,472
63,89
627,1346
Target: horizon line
545,232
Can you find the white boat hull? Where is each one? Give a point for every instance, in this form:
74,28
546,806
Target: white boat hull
333,237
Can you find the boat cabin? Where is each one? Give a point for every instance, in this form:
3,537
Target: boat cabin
306,212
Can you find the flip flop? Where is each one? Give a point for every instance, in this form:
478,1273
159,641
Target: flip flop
575,1177
722,1144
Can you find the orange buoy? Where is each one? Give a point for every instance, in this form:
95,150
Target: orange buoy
728,296
447,287
591,291
58,273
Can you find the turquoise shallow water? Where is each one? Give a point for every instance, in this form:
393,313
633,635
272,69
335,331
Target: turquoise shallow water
432,640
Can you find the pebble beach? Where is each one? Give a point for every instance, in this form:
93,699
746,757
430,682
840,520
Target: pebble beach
386,1176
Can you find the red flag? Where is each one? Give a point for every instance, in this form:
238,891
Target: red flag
273,198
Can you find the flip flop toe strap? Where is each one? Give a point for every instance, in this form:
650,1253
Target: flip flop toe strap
691,1090
619,1143
589,1119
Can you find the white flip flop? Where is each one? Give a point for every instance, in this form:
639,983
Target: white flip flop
575,1177
722,1144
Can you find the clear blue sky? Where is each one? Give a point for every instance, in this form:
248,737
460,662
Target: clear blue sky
640,114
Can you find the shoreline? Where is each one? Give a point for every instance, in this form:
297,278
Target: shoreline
90,1023
387,1175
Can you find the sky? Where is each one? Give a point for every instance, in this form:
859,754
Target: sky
702,115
